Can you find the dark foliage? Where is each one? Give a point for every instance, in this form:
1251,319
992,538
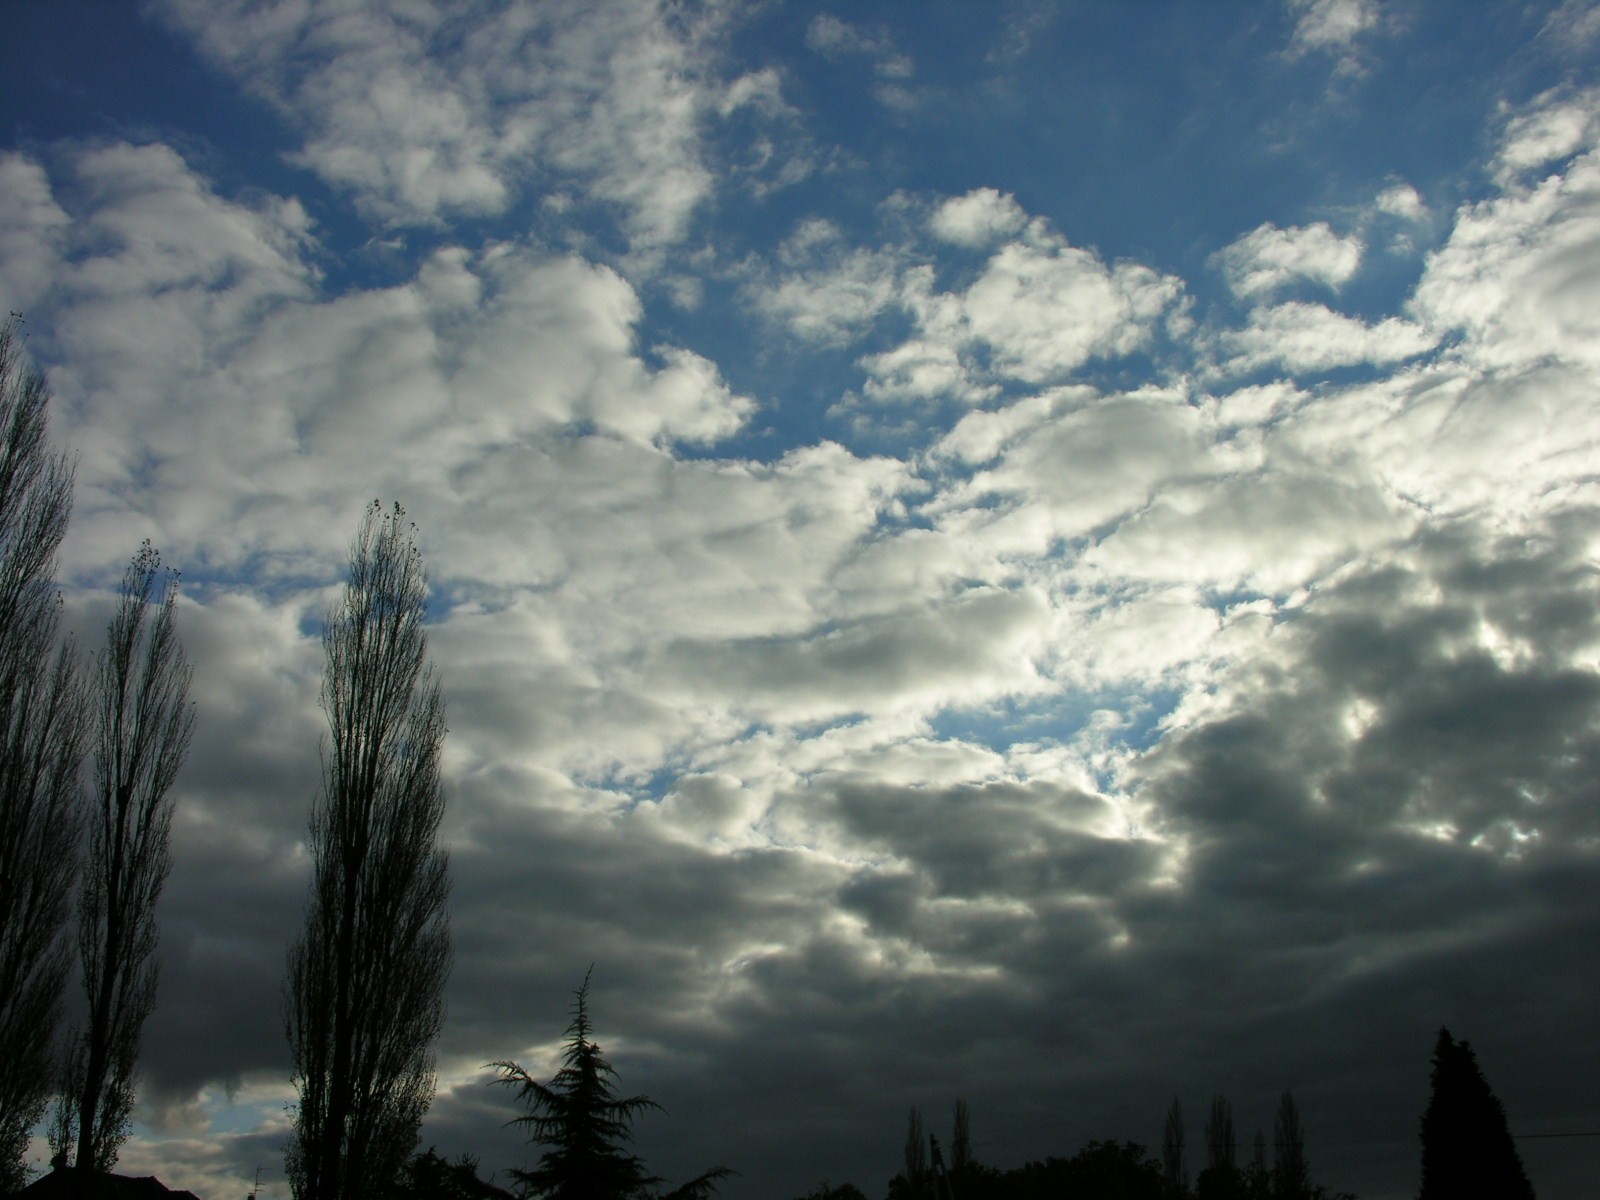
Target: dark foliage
1466,1146
367,974
42,733
427,1176
142,725
585,1125
827,1191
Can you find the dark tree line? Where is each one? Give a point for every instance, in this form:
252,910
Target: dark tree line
1109,1169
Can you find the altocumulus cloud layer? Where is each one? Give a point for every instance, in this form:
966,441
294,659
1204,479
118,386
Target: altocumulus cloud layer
922,621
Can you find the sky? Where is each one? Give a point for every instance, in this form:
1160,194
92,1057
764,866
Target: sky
1036,553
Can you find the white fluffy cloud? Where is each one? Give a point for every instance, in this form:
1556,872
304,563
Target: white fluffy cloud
1303,338
203,369
422,113
1268,258
827,291
1518,275
980,218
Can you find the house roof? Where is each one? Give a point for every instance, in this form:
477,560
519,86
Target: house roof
70,1183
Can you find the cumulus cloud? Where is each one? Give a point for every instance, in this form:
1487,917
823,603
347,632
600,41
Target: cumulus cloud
1556,127
1518,271
32,226
1269,258
979,218
827,292
421,115
1037,310
1311,337
205,370
1044,308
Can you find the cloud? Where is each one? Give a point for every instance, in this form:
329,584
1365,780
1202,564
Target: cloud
1556,126
422,116
836,39
1038,309
1066,463
1517,273
1268,258
205,370
980,218
1304,338
828,293
1330,25
32,226
1044,308
1574,26
1403,201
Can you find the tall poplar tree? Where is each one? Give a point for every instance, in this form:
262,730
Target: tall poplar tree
42,737
142,722
367,974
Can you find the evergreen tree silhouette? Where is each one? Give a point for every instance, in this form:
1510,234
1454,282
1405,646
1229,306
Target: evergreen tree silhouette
585,1125
1466,1147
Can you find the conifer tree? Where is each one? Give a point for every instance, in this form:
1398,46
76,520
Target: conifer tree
1466,1146
586,1125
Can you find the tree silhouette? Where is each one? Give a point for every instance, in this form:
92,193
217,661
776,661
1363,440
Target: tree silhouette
42,736
961,1140
585,1124
916,1154
427,1176
1291,1173
367,974
1221,1178
1113,1168
828,1191
142,724
1173,1172
1466,1146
